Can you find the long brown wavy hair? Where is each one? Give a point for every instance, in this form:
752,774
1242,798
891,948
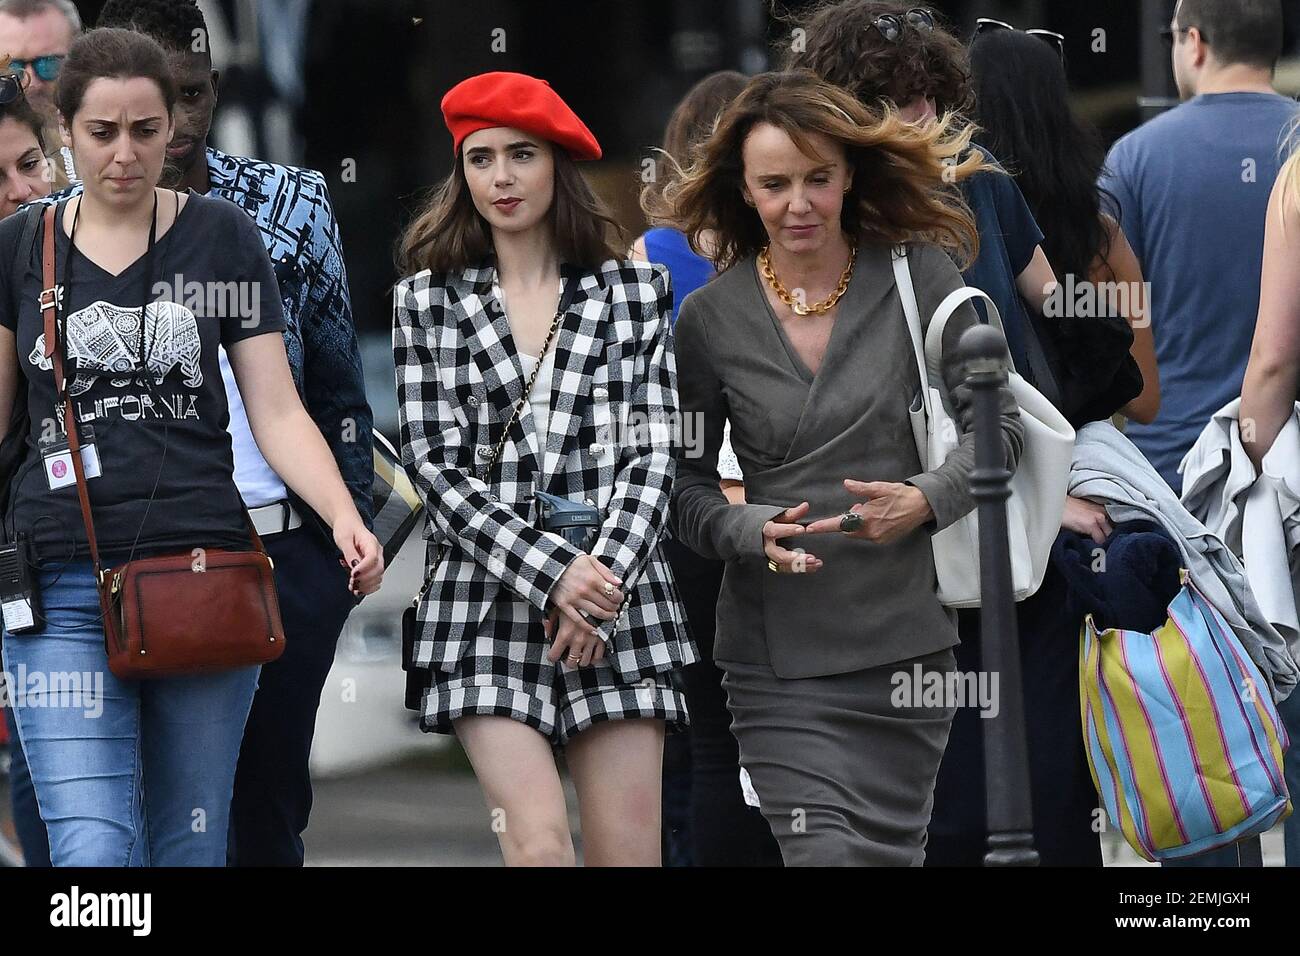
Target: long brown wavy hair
448,234
840,44
904,176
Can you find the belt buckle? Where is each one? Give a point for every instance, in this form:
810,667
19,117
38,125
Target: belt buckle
283,520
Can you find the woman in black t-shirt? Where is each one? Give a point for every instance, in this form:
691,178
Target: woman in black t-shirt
105,754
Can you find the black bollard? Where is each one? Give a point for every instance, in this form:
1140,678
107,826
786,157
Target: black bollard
1006,757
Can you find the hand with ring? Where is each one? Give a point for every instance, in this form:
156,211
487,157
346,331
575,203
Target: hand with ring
584,646
782,560
586,587
891,511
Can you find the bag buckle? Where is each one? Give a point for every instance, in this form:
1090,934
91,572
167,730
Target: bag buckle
103,576
51,298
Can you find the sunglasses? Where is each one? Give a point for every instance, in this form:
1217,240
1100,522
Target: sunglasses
46,67
1168,33
1055,40
892,26
11,87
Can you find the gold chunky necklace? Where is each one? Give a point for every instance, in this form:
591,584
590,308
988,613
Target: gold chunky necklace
817,308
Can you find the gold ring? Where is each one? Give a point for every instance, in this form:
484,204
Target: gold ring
574,660
609,589
773,566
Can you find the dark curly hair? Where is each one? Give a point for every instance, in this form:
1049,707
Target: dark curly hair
839,43
171,22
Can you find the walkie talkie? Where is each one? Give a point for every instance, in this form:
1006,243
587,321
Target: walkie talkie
18,598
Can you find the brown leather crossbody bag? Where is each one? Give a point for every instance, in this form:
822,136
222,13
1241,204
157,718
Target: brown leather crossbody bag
195,611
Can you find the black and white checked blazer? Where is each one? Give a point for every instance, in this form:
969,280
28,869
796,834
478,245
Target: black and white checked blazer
612,422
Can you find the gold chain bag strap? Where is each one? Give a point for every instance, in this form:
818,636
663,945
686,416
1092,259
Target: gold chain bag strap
175,614
416,676
528,391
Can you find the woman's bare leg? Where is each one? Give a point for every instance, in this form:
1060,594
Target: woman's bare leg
617,768
516,769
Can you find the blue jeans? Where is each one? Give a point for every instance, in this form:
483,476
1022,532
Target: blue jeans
27,819
127,773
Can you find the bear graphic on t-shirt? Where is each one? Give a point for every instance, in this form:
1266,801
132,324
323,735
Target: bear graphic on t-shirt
104,339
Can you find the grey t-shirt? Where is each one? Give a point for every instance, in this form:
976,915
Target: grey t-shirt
168,474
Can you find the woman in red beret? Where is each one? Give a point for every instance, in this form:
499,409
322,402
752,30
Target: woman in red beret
533,361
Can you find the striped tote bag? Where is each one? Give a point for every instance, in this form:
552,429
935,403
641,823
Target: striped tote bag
1183,740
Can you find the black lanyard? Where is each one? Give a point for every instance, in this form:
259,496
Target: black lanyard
141,358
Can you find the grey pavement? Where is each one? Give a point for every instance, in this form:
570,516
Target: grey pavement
429,811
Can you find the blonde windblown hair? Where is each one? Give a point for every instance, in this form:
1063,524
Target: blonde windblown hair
1288,177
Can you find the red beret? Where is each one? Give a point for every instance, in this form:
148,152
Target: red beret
523,102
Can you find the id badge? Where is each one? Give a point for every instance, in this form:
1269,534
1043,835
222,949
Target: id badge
57,457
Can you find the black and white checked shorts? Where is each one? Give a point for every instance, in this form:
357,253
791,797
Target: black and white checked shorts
505,672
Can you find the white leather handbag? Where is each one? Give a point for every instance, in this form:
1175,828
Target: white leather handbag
1039,485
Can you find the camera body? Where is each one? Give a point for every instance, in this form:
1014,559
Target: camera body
576,523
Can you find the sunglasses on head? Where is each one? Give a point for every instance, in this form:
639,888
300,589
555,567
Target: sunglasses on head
46,67
11,87
1055,40
892,26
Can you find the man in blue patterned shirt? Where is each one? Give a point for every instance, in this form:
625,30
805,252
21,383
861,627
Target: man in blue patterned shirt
292,209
